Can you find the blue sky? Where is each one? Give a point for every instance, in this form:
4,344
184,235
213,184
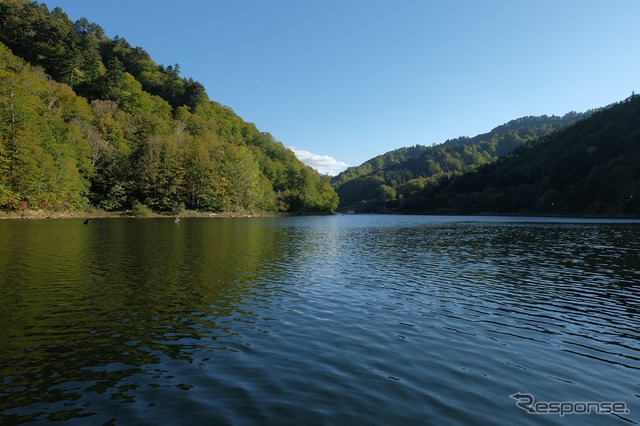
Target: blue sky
343,81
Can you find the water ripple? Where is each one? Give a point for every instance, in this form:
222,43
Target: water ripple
363,319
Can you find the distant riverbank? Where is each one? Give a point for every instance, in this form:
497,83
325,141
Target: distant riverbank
47,214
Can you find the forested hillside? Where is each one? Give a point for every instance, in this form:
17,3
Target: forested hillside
392,180
86,120
590,168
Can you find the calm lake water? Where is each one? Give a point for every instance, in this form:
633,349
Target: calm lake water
317,320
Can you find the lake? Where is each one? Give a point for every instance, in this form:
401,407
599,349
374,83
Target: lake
320,320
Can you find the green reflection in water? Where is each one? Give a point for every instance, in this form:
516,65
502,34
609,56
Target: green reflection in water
84,307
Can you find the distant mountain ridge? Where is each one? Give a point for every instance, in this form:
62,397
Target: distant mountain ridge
386,180
591,168
526,128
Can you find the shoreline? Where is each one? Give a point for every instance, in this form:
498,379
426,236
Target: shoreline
46,214
128,214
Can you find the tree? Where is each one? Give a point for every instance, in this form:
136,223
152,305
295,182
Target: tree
139,133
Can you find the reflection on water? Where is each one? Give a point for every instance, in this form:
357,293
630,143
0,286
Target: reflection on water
366,319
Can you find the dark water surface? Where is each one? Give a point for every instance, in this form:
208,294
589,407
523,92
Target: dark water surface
317,320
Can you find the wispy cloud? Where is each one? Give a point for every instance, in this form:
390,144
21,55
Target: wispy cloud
322,163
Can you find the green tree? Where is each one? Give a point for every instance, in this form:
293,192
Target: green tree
140,134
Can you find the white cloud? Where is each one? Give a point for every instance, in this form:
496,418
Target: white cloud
322,163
